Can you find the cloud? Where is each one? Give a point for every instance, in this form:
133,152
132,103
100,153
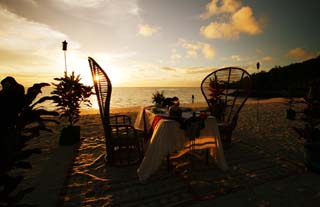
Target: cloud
83,3
168,68
193,48
17,33
227,6
32,2
147,30
199,70
29,46
236,58
267,59
300,54
108,12
219,30
208,51
244,21
240,20
190,70
175,56
192,53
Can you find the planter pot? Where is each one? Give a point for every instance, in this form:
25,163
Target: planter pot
291,114
312,156
70,135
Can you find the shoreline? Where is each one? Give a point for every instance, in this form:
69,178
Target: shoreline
191,105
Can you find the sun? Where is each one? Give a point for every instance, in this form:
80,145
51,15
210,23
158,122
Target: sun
82,67
115,76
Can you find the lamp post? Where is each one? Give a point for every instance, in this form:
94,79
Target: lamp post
64,48
258,67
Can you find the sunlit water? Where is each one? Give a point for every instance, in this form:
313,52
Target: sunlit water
123,97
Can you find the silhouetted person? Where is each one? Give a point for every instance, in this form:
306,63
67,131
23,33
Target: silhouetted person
192,97
11,102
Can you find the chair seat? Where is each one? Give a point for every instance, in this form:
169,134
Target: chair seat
124,140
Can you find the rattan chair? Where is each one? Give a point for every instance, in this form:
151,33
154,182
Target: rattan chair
226,90
123,145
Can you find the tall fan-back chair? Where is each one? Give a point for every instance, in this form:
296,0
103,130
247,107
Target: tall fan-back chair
226,90
123,145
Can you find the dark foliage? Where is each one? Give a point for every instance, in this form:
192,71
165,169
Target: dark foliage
311,130
26,120
293,80
158,97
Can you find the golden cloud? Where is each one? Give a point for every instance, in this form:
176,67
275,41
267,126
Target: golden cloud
193,48
244,21
241,20
147,30
199,70
267,59
230,6
219,30
227,6
168,69
300,54
208,51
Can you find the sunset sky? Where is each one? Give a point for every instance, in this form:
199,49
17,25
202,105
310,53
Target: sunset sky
153,42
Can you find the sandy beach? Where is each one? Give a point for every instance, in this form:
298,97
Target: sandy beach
77,175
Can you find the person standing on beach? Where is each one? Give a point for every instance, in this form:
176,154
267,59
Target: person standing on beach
192,97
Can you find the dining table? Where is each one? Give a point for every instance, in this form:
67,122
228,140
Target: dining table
166,137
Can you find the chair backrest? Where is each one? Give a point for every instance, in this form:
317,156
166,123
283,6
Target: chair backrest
103,88
226,91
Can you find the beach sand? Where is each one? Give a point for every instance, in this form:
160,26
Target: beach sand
77,176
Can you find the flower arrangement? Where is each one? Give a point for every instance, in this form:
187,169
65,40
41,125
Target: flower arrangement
158,98
218,106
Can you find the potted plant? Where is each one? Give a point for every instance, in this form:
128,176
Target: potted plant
158,98
69,95
310,133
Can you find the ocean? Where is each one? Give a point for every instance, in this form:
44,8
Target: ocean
123,97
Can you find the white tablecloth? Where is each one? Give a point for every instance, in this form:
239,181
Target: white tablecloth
168,137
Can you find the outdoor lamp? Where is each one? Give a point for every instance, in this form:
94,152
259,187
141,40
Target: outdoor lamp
64,48
64,45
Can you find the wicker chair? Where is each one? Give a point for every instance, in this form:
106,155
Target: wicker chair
226,90
123,145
